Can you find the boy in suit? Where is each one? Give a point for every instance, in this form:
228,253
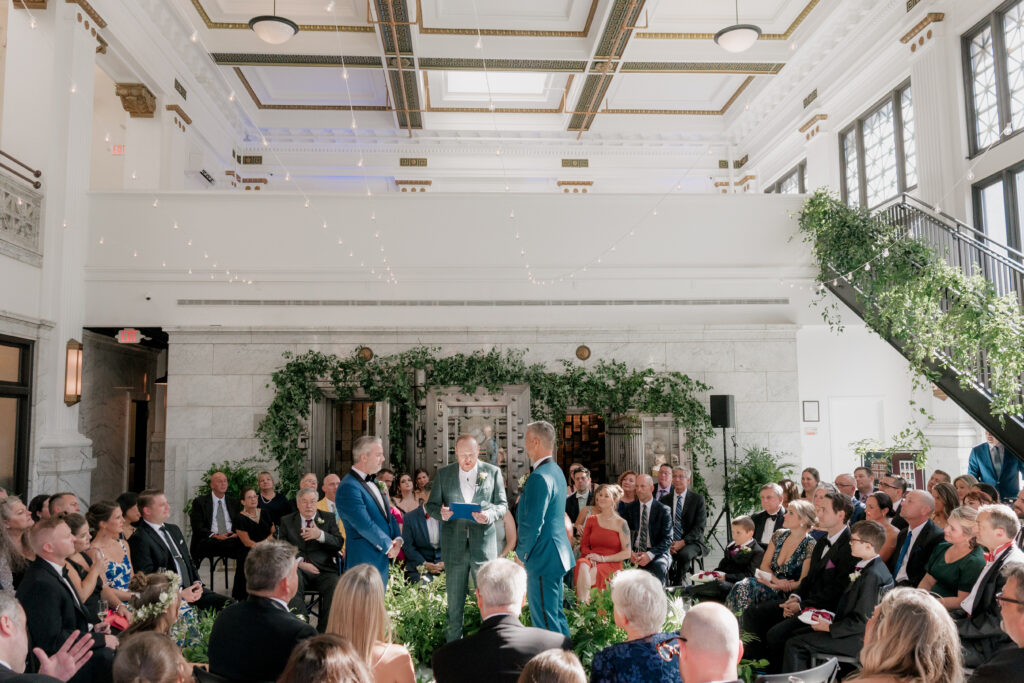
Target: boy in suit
845,634
317,538
741,558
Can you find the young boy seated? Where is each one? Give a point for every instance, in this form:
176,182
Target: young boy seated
844,635
742,557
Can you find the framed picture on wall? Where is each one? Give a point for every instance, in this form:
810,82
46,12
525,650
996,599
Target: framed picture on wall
812,411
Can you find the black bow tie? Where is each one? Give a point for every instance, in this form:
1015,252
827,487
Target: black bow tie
370,478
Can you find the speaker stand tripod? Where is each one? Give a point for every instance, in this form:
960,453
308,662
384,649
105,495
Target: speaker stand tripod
725,505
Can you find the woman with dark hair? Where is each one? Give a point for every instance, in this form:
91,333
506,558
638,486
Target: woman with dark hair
790,491
39,507
86,574
150,658
129,504
404,497
17,521
253,527
326,658
876,509
420,478
809,480
946,501
270,501
107,523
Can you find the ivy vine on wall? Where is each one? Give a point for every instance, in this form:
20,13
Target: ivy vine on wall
606,387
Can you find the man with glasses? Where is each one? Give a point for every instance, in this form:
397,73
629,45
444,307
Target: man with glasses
895,487
1007,664
847,485
708,645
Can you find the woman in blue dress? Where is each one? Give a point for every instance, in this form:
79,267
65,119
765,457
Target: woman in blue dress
640,607
788,563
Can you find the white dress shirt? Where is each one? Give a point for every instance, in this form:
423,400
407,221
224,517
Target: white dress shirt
915,533
373,487
769,529
968,602
467,483
222,501
433,531
647,505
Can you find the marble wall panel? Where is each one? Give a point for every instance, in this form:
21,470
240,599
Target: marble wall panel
189,422
765,355
746,386
717,356
190,359
781,386
235,423
250,359
767,417
212,390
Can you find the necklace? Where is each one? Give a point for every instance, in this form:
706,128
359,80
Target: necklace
267,500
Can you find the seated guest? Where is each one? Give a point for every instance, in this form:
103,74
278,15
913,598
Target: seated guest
421,541
53,610
502,647
253,527
713,648
847,485
788,559
663,486
741,558
640,607
956,562
978,620
819,495
605,543
326,658
151,658
156,603
554,666
1018,509
865,479
308,481
876,509
317,538
386,476
159,545
326,504
63,503
420,477
251,640
405,497
129,504
832,563
790,491
75,651
17,521
975,499
651,524
689,517
945,502
213,518
916,542
894,487
963,485
85,571
578,504
1008,663
273,503
844,635
986,492
992,463
39,507
809,480
910,638
769,519
938,477
358,613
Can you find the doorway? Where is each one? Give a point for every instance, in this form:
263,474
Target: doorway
582,441
138,444
352,419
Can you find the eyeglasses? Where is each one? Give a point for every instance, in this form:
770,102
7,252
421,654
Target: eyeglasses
668,649
886,485
854,539
999,598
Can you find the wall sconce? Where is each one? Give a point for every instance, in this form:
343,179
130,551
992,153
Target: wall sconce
73,373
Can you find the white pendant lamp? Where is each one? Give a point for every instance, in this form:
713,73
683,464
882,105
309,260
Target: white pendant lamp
738,37
274,29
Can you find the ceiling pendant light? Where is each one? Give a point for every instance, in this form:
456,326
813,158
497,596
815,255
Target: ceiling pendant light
738,37
272,28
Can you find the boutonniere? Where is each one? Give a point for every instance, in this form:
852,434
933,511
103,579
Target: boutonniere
744,551
382,487
522,479
854,576
319,520
481,478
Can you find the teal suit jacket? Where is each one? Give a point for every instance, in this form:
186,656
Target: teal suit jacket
543,544
489,495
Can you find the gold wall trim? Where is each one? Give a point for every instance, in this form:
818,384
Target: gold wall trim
238,26
420,162
930,18
687,112
814,119
426,30
88,9
571,183
652,35
813,95
29,4
544,65
575,163
180,112
302,107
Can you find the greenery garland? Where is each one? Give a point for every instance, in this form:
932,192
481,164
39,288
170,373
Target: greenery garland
606,387
940,316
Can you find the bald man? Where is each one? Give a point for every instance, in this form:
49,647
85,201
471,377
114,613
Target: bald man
326,504
847,484
710,649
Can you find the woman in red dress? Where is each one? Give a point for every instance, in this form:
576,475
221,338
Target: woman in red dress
605,543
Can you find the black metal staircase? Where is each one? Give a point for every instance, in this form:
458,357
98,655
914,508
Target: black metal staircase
975,253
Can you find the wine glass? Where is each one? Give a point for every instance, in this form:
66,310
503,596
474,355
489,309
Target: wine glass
101,609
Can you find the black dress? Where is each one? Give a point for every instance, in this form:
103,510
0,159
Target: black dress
92,603
257,532
278,507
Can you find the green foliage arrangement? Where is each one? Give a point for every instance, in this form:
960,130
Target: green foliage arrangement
240,475
942,318
606,387
196,635
755,468
419,614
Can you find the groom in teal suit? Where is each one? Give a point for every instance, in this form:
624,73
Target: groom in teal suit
466,544
543,543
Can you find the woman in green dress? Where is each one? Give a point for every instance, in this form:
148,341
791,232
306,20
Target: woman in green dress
955,564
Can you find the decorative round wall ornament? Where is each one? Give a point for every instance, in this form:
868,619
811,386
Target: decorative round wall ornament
366,353
583,352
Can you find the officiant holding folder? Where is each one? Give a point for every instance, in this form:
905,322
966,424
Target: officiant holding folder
466,543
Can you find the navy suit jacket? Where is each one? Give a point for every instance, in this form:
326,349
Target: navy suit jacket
416,543
979,466
369,528
659,524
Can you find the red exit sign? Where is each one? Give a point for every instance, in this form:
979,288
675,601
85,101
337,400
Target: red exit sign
117,150
128,336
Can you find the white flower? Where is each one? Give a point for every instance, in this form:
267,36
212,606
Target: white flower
854,576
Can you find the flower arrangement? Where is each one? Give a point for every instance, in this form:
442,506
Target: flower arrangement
164,601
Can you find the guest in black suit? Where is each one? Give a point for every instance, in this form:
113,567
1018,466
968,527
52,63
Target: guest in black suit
894,487
214,517
689,517
502,647
1008,663
914,546
769,519
52,608
63,665
251,640
831,565
158,545
847,484
651,543
580,497
845,634
978,622
741,558
317,538
421,541
865,479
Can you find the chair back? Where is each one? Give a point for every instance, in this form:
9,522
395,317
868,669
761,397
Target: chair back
825,673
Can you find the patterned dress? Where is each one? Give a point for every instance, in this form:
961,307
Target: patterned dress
750,592
635,661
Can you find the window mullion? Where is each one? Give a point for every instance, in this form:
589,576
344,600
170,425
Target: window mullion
897,137
1002,76
862,185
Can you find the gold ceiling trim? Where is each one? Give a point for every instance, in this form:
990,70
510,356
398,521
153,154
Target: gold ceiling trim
651,35
571,183
753,68
506,33
686,112
238,26
497,110
90,10
302,107
180,112
930,18
814,120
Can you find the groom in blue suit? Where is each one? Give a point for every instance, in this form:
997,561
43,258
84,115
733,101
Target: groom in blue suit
543,545
371,531
992,463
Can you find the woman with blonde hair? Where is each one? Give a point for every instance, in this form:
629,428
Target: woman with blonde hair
358,613
156,603
955,564
604,545
963,485
910,639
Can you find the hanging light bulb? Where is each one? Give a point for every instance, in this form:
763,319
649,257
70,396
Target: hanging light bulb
175,225
33,23
195,36
360,162
189,271
106,138
344,73
517,235
867,266
307,203
324,225
885,253
373,215
188,243
163,264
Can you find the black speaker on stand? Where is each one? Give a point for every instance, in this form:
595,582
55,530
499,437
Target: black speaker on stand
723,411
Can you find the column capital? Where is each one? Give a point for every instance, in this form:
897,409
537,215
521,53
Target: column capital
137,99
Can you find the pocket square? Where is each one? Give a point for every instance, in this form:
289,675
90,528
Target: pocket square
830,565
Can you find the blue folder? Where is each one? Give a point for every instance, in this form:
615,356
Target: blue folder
464,511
